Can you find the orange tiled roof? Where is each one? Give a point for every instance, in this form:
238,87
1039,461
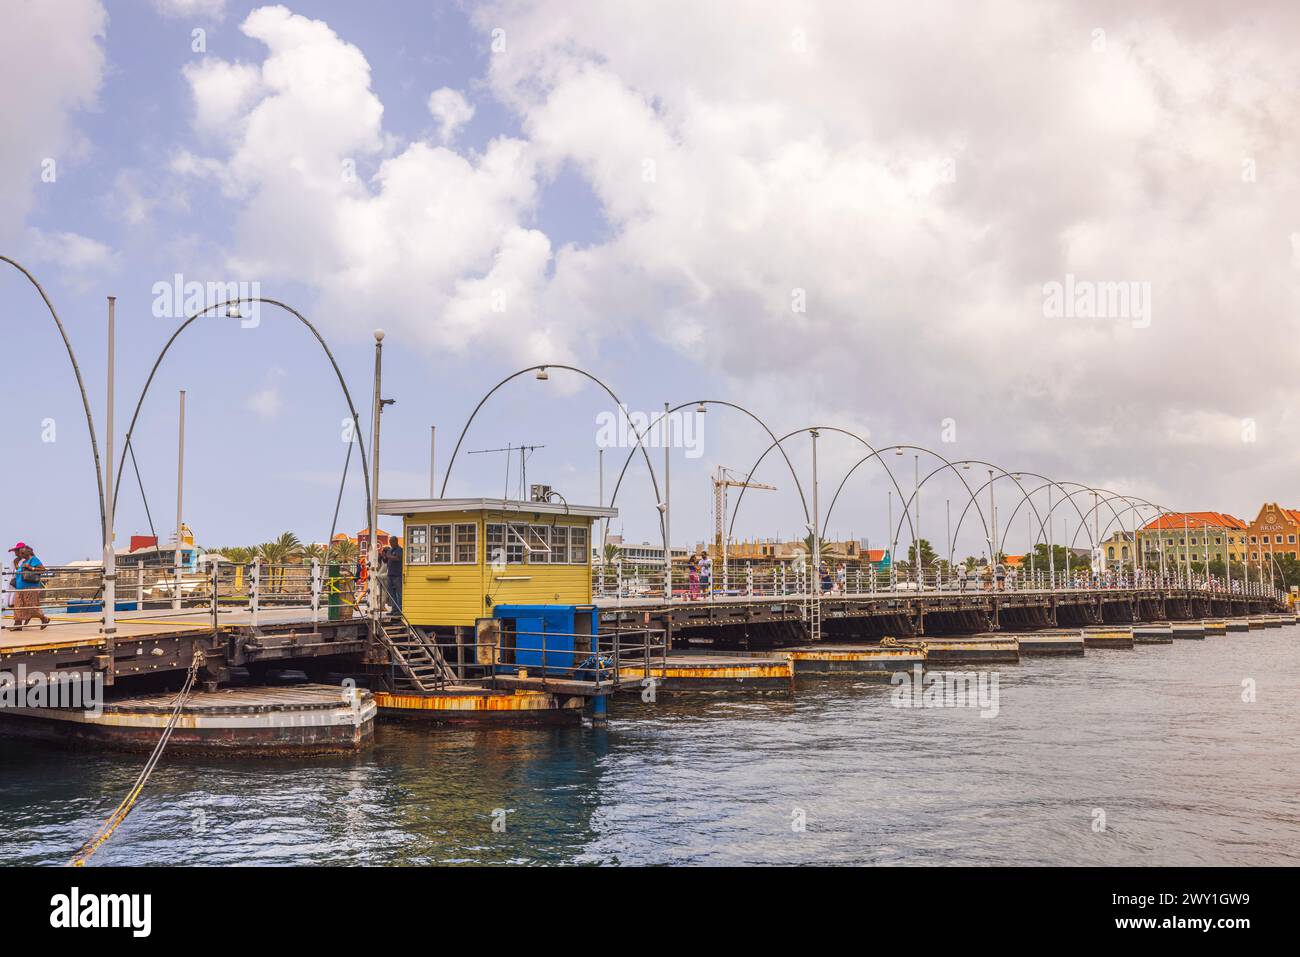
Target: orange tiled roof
1192,520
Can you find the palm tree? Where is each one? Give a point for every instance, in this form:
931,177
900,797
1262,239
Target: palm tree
343,551
272,554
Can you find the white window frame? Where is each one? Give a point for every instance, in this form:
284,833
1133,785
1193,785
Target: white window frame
457,542
446,528
559,552
417,553
537,544
584,549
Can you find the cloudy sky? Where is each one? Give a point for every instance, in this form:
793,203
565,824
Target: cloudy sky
860,214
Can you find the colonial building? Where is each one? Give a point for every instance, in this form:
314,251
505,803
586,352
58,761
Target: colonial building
1187,537
1274,533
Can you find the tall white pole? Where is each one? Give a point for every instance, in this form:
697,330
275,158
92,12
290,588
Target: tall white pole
604,523
110,559
1051,552
433,449
891,540
668,529
993,532
816,525
947,507
372,559
180,503
916,530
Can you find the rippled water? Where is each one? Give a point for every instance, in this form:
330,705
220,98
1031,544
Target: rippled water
1157,738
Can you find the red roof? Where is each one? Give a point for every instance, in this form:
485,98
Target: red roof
1193,520
874,554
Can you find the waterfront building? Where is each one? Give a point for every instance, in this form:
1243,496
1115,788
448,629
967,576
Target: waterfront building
640,555
1118,548
1273,533
1190,537
145,550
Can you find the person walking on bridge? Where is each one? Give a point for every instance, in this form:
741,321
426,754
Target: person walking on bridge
28,587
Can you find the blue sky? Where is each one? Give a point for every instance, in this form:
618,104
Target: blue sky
648,193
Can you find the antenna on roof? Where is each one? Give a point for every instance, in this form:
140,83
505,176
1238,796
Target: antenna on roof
524,452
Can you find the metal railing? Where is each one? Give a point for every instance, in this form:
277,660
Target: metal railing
790,579
615,657
73,595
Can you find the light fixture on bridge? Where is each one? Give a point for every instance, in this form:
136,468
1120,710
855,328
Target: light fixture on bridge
899,450
233,312
662,506
701,408
542,374
966,466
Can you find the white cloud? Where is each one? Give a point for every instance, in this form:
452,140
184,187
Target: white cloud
211,9
222,92
51,65
452,111
421,233
267,402
69,251
916,172
920,170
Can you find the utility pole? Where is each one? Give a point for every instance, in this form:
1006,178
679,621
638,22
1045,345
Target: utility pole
1051,552
993,532
110,559
668,536
180,502
372,557
816,536
433,447
947,507
891,539
916,529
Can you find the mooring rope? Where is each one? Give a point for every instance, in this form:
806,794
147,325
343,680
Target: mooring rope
123,809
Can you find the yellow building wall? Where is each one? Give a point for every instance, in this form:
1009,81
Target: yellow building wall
454,594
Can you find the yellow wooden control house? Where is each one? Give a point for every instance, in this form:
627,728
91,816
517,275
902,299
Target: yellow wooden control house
464,556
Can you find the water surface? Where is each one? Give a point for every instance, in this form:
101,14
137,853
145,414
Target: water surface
1157,738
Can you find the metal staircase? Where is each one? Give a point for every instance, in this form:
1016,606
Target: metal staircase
419,661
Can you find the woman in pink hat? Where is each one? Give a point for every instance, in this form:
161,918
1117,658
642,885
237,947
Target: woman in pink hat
28,587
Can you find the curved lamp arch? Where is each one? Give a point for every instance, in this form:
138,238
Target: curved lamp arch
654,481
347,395
81,385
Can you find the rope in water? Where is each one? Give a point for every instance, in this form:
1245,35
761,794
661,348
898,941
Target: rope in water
123,809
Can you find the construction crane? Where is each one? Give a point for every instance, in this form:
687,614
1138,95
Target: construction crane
723,480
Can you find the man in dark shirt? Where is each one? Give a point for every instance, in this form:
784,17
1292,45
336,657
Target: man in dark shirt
392,558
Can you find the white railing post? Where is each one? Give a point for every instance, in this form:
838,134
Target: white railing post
254,589
139,585
315,590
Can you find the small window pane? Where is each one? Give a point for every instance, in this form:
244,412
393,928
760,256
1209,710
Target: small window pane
504,543
579,553
559,545
440,544
417,542
466,544
539,544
